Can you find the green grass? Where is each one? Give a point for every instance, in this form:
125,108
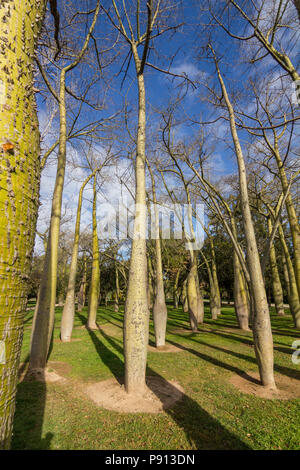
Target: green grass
212,415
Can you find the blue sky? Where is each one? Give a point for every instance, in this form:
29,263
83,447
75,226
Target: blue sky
187,50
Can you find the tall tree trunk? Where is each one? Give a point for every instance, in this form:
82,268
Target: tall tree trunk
136,319
193,295
216,289
240,295
293,291
19,183
276,283
175,290
95,280
291,212
261,324
117,290
213,297
43,327
185,303
67,320
82,289
160,313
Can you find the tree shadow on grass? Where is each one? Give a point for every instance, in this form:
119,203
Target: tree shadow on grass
201,429
29,415
281,369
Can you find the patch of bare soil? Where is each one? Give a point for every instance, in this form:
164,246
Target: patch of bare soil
159,395
111,330
73,340
165,349
51,374
288,388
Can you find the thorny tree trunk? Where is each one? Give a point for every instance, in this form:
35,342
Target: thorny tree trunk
19,187
95,279
262,333
82,289
276,283
136,321
67,320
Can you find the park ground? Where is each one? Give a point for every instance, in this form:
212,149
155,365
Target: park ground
213,413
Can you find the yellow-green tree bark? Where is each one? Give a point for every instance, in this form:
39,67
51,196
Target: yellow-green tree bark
20,23
95,280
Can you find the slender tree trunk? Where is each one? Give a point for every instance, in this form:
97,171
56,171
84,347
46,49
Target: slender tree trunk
276,283
117,290
95,280
82,289
160,313
293,291
291,212
136,320
216,289
43,327
213,297
67,320
19,187
240,295
185,297
175,290
194,304
261,325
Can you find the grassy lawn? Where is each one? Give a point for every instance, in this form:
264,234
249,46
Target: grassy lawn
212,415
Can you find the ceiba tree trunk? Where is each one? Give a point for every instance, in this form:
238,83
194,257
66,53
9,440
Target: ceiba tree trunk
82,289
291,212
216,289
19,187
194,298
184,297
44,322
292,286
261,324
136,319
67,320
276,283
160,313
213,297
117,289
240,295
175,289
95,279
